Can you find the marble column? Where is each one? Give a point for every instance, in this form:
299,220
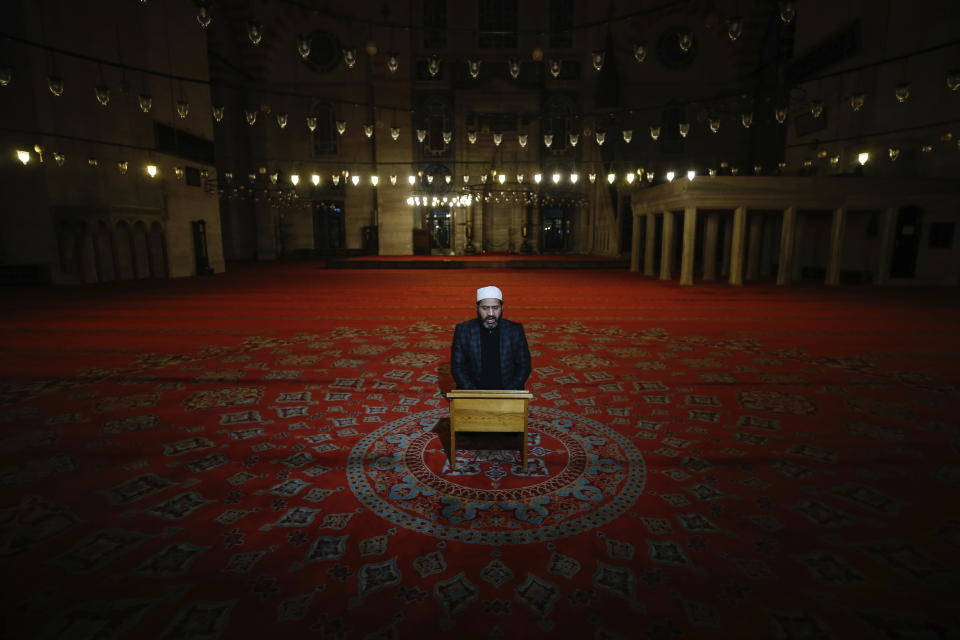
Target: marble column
799,229
736,245
727,245
710,247
888,225
689,245
754,246
649,248
635,245
666,246
785,268
836,245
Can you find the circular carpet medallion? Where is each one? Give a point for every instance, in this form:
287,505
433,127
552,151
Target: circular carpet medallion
579,475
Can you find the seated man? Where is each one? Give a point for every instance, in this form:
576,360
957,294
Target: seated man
489,352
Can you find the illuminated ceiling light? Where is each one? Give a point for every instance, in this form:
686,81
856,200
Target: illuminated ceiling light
631,177
274,176
447,136
38,149
312,123
863,157
335,177
152,170
6,76
203,17
816,108
597,58
473,66
251,116
254,32
746,119
252,177
927,148
592,177
216,111
953,80
788,10
497,138
758,169
670,176
556,178
685,41
395,133
856,101
472,136
315,179
712,172
781,165
601,137
145,102
433,65
123,165
447,178
59,158
430,179
483,178
639,52
780,114
466,179
611,177
350,57
691,174
93,162
294,179
514,67
103,95
411,179
393,180
655,133
734,28
341,127
502,178
520,178
421,135
522,140
183,109
714,124
393,62
374,180
537,177
355,179
574,177
547,139
651,175
23,156
684,129
55,84
627,135
574,139
410,200
304,46
835,159
555,67
902,92
368,130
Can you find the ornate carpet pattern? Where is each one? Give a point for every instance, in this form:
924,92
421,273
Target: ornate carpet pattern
263,454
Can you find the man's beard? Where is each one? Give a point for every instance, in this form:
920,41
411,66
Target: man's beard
492,324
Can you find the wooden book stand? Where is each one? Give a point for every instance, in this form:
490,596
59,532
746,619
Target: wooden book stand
488,410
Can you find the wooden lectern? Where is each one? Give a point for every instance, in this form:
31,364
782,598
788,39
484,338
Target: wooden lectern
498,410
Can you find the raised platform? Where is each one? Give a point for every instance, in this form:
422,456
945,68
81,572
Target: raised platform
482,261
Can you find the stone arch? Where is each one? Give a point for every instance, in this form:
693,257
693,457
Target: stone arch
157,245
124,250
103,250
141,250
87,254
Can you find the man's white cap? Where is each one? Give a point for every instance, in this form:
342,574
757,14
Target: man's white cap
489,292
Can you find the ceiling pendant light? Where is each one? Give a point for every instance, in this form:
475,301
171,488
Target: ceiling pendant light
312,123
816,108
255,32
856,101
902,92
395,133
251,116
685,41
651,175
520,177
592,177
217,113
655,132
684,129
574,139
547,139
734,28
421,135
6,76
514,68
746,119
627,135
122,166
55,84
103,95
714,125
447,136
788,11
433,65
304,46
639,52
473,66
522,140
466,179
145,102
393,180
341,127
315,179
574,177
555,67
472,136
183,108
601,137
274,176
282,120
350,57
780,114
203,17
368,130
611,177
93,162
393,62
894,153
953,80
598,58
59,158
497,138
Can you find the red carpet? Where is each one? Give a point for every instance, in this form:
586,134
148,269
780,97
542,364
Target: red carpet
261,454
